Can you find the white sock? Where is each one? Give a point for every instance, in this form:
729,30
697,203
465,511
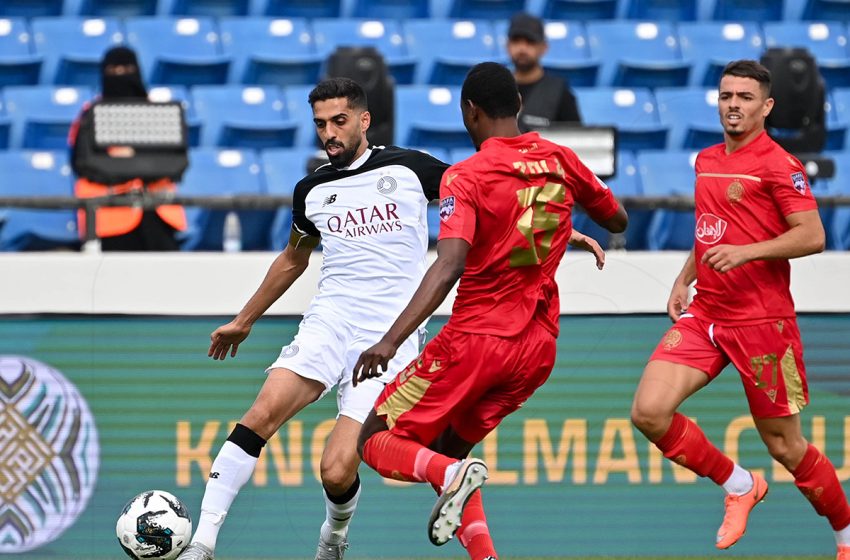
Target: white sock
842,537
338,517
740,481
451,473
231,469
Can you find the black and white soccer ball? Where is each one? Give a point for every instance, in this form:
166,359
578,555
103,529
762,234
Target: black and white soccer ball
154,525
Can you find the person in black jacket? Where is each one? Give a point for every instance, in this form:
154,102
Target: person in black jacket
546,98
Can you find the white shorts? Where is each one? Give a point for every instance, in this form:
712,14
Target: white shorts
326,349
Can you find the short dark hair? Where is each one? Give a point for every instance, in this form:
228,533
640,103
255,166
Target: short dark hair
492,87
749,69
335,88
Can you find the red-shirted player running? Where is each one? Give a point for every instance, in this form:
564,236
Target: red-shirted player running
754,211
505,226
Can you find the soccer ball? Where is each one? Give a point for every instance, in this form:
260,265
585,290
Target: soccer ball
154,525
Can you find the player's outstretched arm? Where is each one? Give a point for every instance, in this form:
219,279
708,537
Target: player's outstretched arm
435,286
804,237
286,268
589,244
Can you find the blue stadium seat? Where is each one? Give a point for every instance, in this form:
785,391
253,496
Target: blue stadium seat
270,51
183,51
5,125
669,173
576,9
837,118
72,48
838,231
746,10
567,55
111,8
446,50
222,172
298,8
19,66
214,8
485,9
638,54
667,10
282,169
392,9
440,153
691,114
459,154
827,41
823,10
429,116
180,93
709,46
42,115
31,8
632,111
299,110
385,35
29,173
243,117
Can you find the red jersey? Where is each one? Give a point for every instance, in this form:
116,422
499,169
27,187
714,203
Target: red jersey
512,202
743,198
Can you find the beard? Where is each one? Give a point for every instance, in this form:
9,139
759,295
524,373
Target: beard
524,64
343,158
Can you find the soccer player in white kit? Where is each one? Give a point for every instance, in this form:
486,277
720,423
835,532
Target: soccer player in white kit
367,207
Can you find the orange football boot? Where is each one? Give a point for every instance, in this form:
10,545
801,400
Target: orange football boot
738,509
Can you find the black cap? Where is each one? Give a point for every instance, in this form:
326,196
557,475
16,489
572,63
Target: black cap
528,27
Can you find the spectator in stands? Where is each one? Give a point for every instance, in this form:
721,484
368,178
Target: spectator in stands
546,98
125,228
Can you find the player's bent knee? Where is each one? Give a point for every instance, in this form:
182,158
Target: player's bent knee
649,420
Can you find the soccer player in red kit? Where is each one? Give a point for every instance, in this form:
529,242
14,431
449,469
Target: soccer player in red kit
754,211
505,225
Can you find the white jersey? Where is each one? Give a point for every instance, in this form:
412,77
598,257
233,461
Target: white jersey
372,219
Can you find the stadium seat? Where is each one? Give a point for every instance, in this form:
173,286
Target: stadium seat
386,36
19,66
72,48
392,9
30,173
440,153
746,10
567,56
459,154
111,8
298,108
41,116
710,46
268,51
826,41
638,54
667,10
429,116
837,119
298,8
823,10
485,9
691,114
243,117
207,8
221,172
446,50
669,173
178,51
5,126
282,169
180,93
632,111
31,8
838,231
576,9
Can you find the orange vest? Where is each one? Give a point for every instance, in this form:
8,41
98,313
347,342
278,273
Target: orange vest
118,220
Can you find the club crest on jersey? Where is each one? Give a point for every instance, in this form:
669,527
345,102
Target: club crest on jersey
735,191
710,229
799,181
447,208
387,184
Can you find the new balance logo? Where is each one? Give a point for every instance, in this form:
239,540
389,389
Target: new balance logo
213,474
330,200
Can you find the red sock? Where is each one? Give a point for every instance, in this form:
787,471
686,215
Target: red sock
686,444
473,533
403,459
816,478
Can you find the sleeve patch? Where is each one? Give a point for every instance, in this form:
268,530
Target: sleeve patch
799,181
447,208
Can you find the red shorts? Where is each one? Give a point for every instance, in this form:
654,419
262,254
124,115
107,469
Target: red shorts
769,357
467,381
